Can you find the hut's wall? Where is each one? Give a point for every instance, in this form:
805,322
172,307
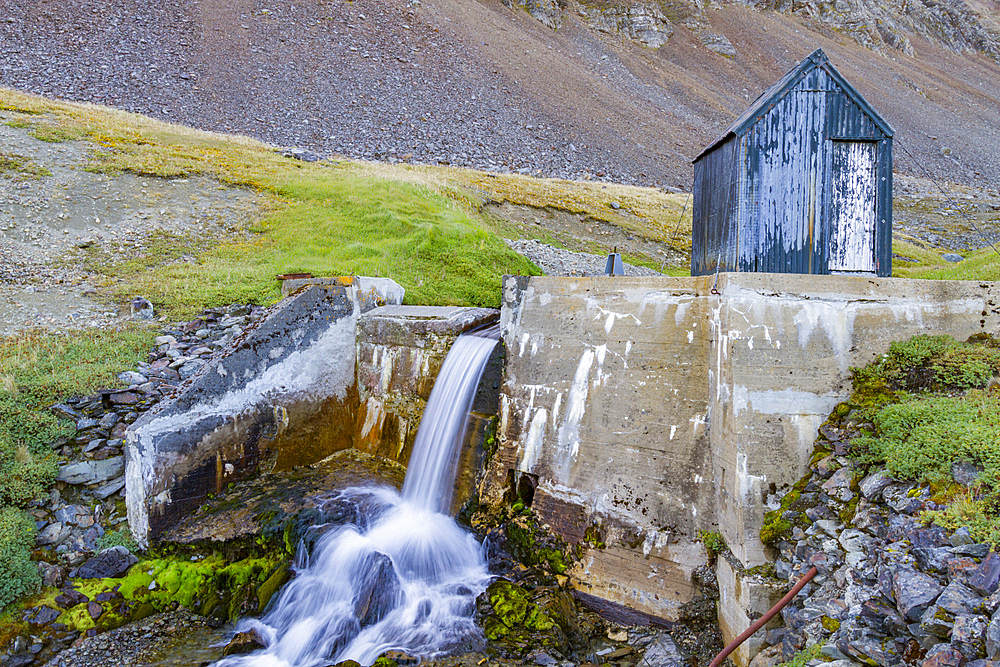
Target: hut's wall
714,212
782,231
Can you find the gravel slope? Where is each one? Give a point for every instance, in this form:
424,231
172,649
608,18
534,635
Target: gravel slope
476,83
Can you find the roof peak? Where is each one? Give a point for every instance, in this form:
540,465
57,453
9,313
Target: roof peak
815,60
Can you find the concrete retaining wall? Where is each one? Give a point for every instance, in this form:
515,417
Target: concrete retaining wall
652,408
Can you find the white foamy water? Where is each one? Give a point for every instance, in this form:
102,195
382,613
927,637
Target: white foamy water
403,575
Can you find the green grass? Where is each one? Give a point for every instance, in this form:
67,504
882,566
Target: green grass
322,218
13,164
37,370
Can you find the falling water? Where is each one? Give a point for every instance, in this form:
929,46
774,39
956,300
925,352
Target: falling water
403,575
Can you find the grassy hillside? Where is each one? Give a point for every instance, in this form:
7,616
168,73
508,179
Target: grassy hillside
328,219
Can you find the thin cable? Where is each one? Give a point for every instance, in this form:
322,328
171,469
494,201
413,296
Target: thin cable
948,196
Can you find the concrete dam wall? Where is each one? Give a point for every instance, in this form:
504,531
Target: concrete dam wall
644,410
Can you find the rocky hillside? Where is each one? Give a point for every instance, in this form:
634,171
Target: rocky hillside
618,90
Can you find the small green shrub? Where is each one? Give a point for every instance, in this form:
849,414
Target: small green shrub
930,363
919,438
121,537
803,657
18,574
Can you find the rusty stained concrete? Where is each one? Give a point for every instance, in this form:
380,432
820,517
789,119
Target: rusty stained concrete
650,409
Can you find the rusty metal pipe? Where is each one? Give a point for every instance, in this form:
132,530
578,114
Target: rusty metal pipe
762,621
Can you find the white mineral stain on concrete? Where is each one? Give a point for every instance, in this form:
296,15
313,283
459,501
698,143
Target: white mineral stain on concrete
532,449
569,432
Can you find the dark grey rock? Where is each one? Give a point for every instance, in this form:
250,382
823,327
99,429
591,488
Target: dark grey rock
943,655
874,484
986,578
957,599
965,472
914,592
92,472
937,621
131,378
113,562
969,635
85,423
663,652
378,589
64,411
993,637
934,559
42,615
112,487
961,537
973,550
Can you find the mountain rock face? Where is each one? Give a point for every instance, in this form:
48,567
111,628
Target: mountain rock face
875,24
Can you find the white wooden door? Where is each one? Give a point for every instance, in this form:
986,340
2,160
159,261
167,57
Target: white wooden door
852,207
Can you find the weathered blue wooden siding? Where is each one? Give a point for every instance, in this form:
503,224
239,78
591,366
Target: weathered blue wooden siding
716,199
762,191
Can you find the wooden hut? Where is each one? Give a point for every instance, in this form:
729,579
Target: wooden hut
800,183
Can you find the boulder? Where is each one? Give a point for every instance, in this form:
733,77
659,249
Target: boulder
244,642
943,655
113,562
378,590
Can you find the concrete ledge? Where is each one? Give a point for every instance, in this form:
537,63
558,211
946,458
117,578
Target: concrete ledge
400,352
282,394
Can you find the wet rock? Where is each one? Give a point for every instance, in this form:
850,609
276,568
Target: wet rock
244,642
113,562
914,592
944,655
378,590
92,472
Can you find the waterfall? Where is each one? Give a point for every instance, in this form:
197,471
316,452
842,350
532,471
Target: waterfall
403,575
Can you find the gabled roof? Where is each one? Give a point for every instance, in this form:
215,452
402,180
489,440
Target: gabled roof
770,97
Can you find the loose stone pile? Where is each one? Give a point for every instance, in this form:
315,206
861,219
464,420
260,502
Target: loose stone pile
86,502
889,589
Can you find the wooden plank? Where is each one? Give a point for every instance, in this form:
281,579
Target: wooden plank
852,246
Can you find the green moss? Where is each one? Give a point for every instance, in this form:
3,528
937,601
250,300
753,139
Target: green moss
850,508
713,541
514,612
776,526
803,657
830,624
533,547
